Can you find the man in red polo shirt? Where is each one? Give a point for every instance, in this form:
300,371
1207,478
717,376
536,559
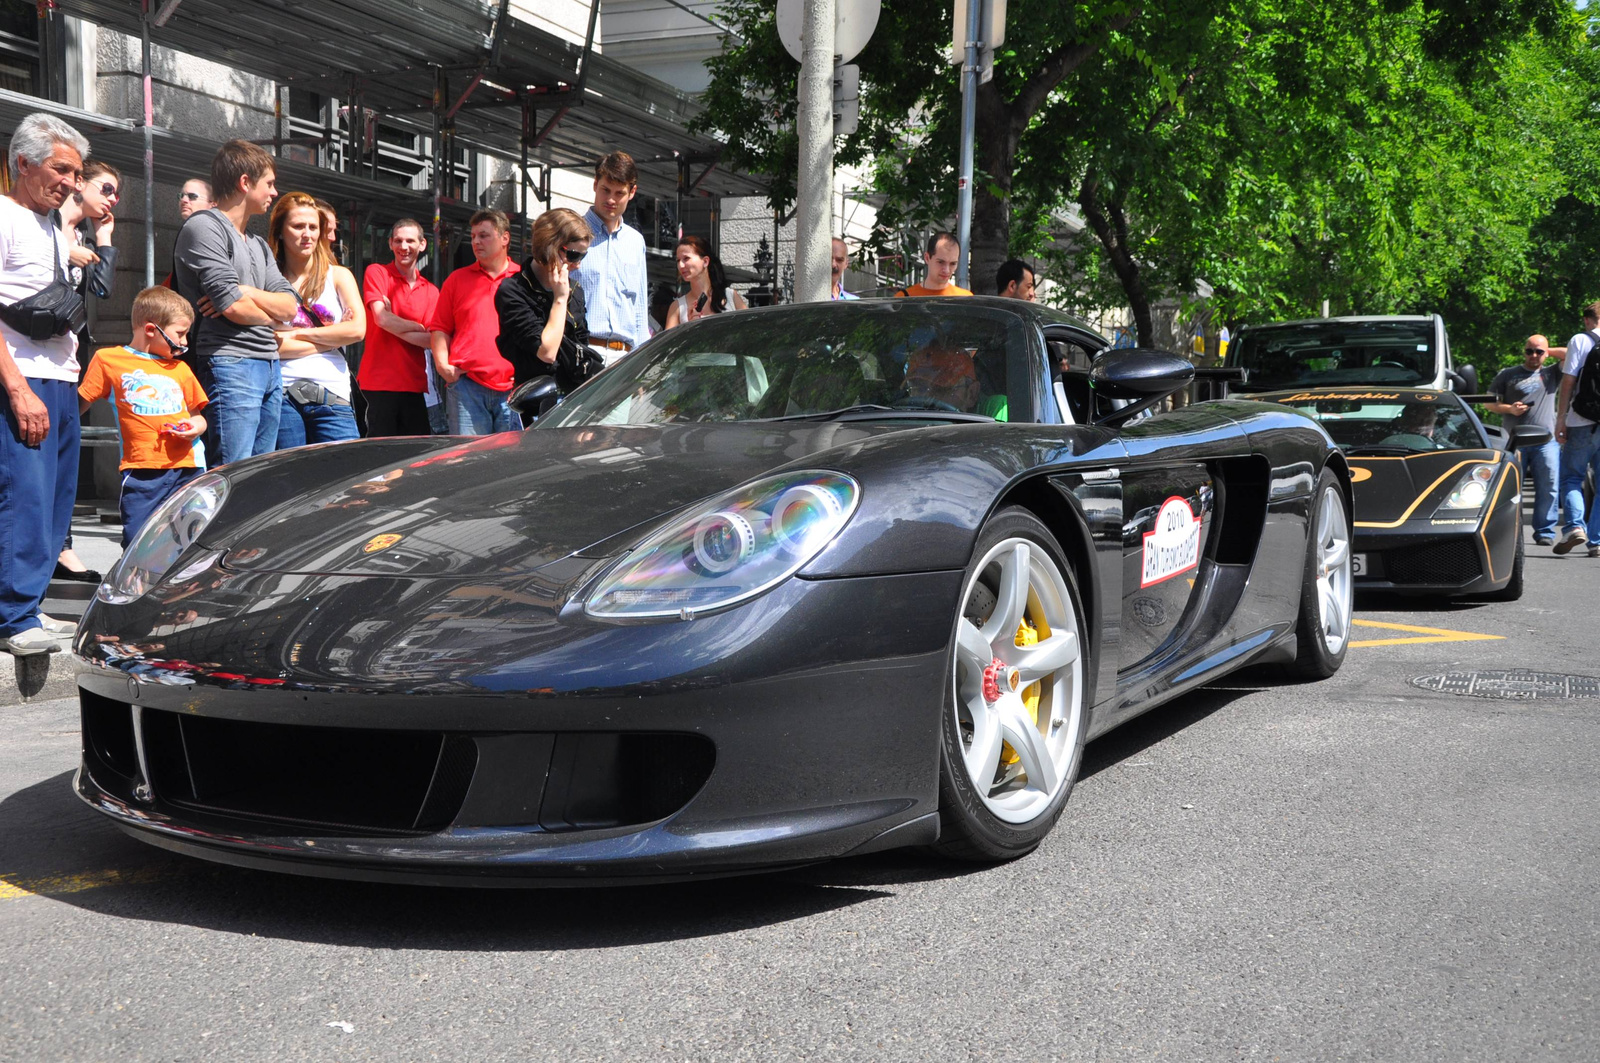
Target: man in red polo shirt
465,325
400,302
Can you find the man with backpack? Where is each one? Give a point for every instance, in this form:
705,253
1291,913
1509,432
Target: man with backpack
1578,432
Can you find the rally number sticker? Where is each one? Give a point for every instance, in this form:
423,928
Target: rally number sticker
1174,545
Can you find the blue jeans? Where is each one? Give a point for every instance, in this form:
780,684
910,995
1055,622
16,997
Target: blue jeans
145,489
312,422
475,410
246,398
1580,453
37,488
1542,465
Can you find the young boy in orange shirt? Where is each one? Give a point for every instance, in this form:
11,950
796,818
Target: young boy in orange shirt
158,401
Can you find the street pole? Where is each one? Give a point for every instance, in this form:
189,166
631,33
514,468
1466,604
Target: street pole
149,152
969,121
813,272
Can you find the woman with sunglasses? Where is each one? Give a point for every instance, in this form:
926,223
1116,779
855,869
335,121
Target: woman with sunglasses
708,286
316,378
87,222
543,330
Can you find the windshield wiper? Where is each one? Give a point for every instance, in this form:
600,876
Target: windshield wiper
1377,450
871,411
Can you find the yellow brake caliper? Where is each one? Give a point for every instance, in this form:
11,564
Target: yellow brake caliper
1027,635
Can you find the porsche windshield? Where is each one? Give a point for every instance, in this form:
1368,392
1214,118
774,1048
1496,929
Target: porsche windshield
1398,422
1396,353
813,361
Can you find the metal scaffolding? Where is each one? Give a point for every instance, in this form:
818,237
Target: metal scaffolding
468,75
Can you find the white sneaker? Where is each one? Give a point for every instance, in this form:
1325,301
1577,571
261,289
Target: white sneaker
32,641
57,627
1573,538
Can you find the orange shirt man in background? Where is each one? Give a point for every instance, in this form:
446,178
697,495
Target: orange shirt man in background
942,255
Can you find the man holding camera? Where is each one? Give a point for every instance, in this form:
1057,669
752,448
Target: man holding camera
39,312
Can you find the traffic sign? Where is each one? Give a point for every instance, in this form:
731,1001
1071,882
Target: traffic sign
846,99
854,22
991,31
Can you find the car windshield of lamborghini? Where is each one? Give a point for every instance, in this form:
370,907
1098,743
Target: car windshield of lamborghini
1399,422
813,363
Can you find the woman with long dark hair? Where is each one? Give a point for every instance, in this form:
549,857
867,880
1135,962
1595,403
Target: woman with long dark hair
316,378
708,285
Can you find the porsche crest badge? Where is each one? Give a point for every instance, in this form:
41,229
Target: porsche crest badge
381,542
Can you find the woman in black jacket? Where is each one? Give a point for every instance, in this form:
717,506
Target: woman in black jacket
542,325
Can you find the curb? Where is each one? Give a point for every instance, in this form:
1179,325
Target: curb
41,677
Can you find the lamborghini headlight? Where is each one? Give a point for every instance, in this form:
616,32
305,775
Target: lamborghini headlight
174,526
734,547
1471,491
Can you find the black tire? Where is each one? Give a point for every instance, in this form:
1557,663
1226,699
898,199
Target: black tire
1513,588
1314,657
969,830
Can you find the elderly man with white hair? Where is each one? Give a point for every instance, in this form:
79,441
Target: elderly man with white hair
38,379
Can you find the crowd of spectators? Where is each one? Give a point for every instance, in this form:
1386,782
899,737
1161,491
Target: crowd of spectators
246,347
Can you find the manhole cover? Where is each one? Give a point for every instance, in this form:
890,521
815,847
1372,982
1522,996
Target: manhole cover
1520,685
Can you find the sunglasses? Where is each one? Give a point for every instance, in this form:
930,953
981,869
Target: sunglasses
110,191
1535,350
573,256
190,196
178,349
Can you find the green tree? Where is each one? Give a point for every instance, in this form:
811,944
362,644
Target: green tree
910,106
1292,153
1380,154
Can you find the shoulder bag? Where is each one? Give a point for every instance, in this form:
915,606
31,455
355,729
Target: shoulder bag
55,311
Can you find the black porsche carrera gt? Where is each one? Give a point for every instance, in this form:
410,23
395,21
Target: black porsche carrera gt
1438,507
781,586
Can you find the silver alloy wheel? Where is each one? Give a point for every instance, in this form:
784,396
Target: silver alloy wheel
1017,757
1335,582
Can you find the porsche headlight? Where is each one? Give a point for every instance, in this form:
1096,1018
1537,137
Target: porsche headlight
733,548
170,530
1471,491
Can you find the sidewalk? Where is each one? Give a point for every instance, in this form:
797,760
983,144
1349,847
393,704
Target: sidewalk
50,675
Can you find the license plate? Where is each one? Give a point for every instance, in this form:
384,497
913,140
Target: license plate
1358,564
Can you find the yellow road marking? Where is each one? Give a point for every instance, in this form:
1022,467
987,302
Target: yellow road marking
1423,634
13,887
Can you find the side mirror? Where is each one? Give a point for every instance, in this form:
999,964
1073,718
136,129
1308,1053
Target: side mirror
1530,435
534,397
1137,373
1144,377
1463,379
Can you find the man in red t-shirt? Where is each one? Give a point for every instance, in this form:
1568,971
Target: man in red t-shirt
400,303
465,326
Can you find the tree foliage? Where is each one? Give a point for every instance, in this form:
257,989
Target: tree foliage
1383,155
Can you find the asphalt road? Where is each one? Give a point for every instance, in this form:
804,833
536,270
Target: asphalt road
1356,869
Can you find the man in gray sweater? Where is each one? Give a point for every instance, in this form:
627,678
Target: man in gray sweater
230,277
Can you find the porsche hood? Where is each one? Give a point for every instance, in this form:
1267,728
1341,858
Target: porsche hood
510,503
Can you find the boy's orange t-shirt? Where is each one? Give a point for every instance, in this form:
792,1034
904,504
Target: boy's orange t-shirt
918,290
149,392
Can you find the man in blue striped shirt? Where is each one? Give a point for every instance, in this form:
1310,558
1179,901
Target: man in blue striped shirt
616,286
